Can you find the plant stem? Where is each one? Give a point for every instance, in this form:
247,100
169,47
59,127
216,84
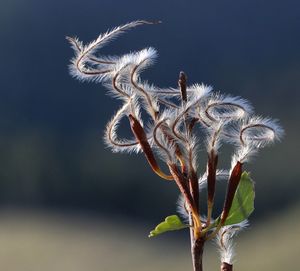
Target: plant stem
197,253
197,246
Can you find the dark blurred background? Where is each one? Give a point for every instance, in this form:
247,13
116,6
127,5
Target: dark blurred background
52,156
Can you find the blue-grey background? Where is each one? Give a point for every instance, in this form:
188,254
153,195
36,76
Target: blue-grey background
52,156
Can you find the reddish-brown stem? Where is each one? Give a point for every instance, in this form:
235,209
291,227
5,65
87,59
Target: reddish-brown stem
194,187
183,186
197,241
181,182
211,182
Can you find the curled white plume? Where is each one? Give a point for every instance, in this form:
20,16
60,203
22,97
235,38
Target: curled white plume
150,101
252,134
118,90
124,64
243,154
260,131
144,59
225,238
103,39
80,67
164,142
185,111
255,131
83,73
219,114
225,108
76,45
214,136
196,91
162,92
111,137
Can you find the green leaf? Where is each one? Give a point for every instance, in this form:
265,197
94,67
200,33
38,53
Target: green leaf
171,223
243,201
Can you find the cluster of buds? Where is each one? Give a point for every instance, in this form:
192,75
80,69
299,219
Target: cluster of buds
170,134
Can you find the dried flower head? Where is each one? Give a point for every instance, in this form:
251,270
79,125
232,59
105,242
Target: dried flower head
178,121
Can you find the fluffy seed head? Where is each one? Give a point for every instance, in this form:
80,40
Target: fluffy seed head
225,241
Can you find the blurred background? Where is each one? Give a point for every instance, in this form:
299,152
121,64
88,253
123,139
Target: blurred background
67,202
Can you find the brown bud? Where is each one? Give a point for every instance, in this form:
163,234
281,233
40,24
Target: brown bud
226,267
211,176
233,182
182,84
141,137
